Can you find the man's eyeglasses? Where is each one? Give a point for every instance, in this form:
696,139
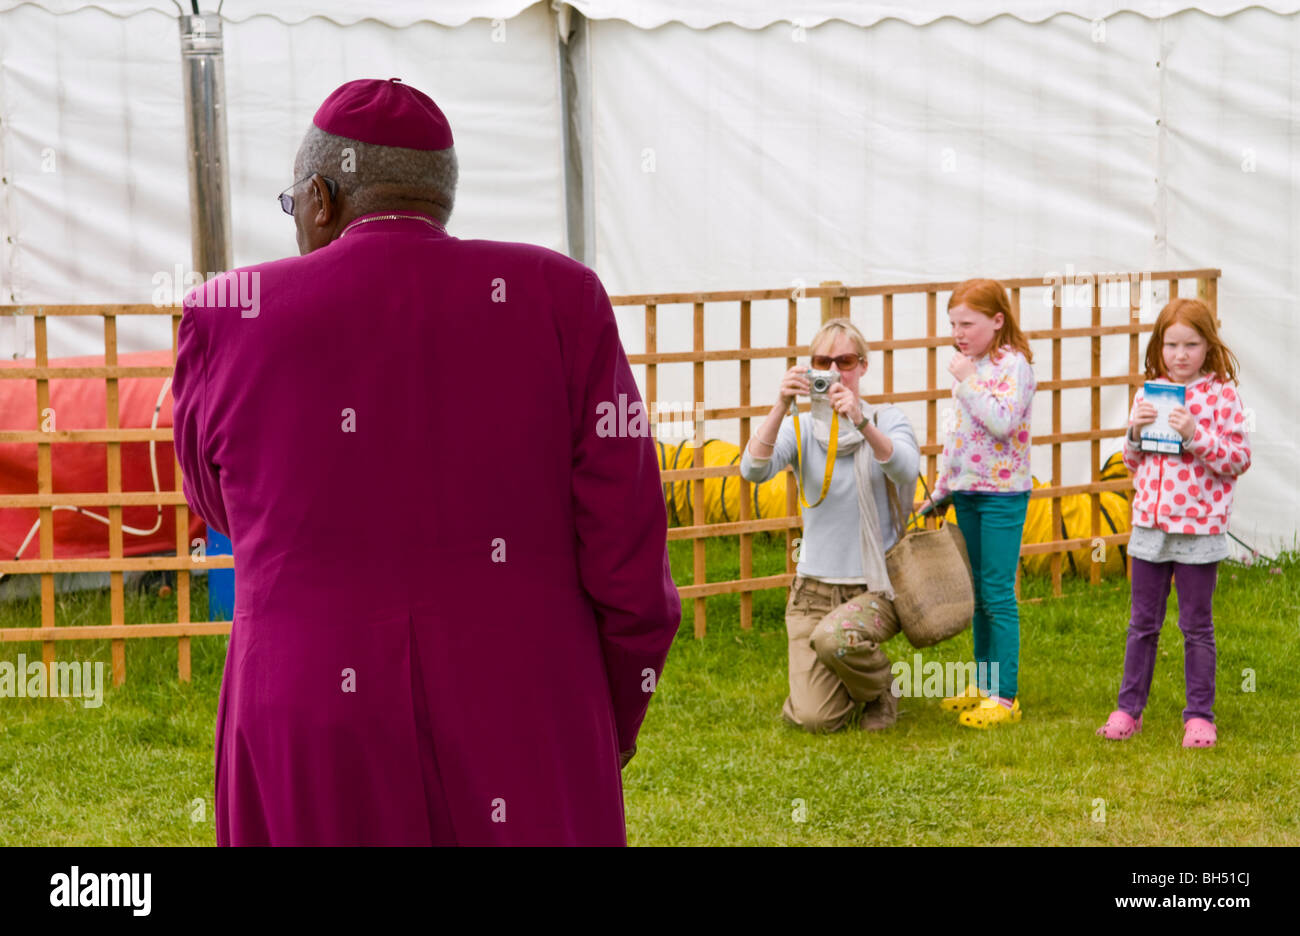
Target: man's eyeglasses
844,362
286,200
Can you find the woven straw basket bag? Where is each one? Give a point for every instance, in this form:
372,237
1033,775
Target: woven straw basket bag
934,594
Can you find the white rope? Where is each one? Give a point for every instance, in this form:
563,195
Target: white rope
153,465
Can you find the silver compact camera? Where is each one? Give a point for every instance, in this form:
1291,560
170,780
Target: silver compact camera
820,382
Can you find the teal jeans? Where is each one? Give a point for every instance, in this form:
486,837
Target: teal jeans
993,526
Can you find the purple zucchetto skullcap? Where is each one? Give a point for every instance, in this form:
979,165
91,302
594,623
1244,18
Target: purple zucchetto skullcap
385,113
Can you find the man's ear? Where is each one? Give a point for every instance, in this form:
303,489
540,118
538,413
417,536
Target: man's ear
323,206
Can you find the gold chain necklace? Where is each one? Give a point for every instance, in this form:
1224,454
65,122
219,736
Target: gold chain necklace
390,217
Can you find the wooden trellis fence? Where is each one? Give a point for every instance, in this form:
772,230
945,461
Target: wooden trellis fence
836,301
117,630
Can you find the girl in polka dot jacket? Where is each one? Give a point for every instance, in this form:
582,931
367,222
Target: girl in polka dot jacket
1181,508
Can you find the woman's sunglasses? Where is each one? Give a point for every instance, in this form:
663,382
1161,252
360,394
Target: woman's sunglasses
844,362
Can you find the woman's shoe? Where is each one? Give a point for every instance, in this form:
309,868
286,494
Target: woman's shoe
1199,733
965,700
990,712
1120,725
880,713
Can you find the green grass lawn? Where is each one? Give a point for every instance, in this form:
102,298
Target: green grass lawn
715,762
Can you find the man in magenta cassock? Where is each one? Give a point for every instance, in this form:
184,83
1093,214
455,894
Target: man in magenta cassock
453,600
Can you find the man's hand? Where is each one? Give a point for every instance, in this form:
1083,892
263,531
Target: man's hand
625,757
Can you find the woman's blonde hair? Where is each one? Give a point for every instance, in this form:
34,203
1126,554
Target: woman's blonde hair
837,326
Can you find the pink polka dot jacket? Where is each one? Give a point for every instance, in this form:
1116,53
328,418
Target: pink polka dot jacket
1192,492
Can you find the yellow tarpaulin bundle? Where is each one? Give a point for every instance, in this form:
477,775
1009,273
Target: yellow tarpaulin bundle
721,495
722,505
1076,519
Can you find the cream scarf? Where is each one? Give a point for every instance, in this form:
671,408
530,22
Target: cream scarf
865,469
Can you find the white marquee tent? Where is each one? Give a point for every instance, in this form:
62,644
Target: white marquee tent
721,144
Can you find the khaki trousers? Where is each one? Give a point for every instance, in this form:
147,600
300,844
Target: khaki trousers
835,634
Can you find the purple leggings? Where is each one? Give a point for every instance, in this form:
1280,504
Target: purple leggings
1195,618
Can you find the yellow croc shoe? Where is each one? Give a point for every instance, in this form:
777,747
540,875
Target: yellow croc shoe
990,712
967,699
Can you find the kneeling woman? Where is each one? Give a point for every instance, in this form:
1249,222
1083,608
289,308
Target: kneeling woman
840,609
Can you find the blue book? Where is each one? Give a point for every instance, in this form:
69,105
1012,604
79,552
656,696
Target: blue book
1159,436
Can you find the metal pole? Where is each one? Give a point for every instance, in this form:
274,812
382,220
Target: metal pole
204,75
575,100
203,70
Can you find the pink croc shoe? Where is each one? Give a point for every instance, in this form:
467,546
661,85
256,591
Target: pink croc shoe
1199,733
1119,726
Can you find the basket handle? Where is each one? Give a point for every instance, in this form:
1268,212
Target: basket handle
930,497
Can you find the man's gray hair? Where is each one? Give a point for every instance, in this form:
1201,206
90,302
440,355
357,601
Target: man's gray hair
372,177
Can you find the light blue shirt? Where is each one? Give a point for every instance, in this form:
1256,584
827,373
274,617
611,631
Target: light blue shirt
832,547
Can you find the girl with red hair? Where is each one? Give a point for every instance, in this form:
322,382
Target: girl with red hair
1181,506
986,469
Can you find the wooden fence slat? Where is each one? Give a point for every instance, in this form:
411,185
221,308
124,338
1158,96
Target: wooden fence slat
931,405
1058,530
130,564
820,292
45,311
104,499
45,418
732,471
701,574
112,417
892,344
737,412
746,513
700,592
651,371
1134,367
887,338
82,373
113,632
735,527
1094,567
1015,311
84,435
182,542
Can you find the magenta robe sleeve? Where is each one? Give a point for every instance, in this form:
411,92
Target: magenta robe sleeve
620,519
201,478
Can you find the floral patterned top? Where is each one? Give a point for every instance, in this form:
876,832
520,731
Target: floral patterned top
987,446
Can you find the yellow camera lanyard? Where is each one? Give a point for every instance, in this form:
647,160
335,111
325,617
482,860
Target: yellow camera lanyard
830,455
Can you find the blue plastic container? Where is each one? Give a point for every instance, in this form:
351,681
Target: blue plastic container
221,582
